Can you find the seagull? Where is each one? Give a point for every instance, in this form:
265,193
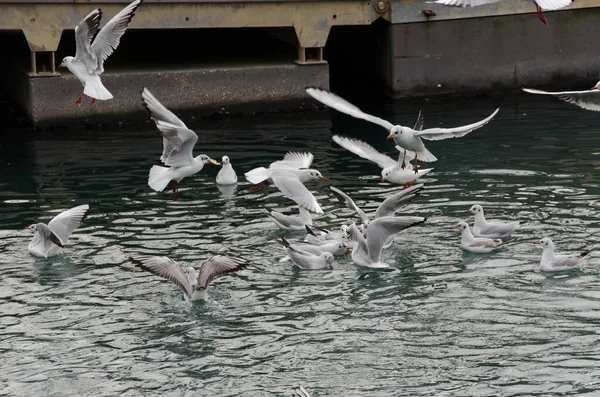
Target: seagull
48,240
93,46
554,263
494,229
194,284
392,169
289,175
367,251
307,260
405,137
226,175
389,207
291,222
178,145
478,245
587,99
539,5
332,246
318,236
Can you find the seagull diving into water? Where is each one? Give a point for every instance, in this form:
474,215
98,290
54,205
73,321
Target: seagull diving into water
93,46
586,99
178,146
405,137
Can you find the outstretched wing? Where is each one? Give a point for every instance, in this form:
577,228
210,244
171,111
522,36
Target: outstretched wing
292,188
420,122
109,36
342,105
64,223
380,229
166,268
348,202
437,134
295,160
178,140
218,266
589,100
397,201
364,150
84,34
464,3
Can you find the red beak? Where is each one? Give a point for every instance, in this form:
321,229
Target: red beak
594,88
468,211
382,179
61,66
322,178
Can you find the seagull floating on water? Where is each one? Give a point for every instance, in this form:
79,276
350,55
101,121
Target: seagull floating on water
290,222
539,5
405,137
226,175
49,240
552,262
194,284
178,146
306,259
587,99
478,245
318,236
93,46
490,229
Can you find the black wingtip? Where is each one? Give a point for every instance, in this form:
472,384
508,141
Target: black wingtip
309,230
585,253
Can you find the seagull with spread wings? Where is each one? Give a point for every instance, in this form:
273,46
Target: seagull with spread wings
586,99
93,46
194,284
405,137
49,240
178,146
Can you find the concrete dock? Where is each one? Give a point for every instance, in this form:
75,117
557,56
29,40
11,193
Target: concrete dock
254,55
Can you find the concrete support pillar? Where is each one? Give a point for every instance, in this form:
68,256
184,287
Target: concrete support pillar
312,37
44,40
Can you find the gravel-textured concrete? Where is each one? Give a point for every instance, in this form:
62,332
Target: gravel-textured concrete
205,91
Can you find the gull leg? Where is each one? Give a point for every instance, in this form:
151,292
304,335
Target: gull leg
78,100
416,163
93,100
540,14
403,166
407,184
176,189
255,188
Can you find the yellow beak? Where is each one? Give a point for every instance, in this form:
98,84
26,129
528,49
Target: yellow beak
27,227
538,242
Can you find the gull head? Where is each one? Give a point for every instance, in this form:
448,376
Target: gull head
475,209
329,259
205,159
597,86
395,132
314,175
385,174
545,242
66,62
461,226
225,160
32,228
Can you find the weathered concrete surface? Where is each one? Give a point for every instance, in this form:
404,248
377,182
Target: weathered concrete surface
248,88
496,52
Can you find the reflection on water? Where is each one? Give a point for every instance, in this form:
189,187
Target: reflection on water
441,322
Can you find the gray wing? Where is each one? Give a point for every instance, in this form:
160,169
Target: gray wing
49,236
589,99
349,203
364,150
397,201
485,242
380,229
84,34
437,134
499,228
109,36
342,105
295,160
291,187
218,266
64,223
166,268
178,140
464,3
419,123
355,235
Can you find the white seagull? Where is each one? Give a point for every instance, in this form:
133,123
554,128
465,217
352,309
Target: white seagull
587,99
318,236
178,146
539,5
93,46
194,284
478,245
333,247
367,251
289,175
308,260
490,229
290,222
226,175
552,262
405,137
48,240
392,169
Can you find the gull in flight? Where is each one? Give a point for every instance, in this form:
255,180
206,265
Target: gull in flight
178,146
490,229
194,284
539,5
93,46
405,137
289,176
367,251
290,222
49,240
306,259
392,170
587,99
552,262
478,245
226,175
